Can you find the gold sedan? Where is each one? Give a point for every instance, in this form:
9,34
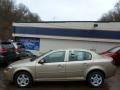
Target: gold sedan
62,65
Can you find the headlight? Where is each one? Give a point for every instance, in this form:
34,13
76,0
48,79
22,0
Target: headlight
9,68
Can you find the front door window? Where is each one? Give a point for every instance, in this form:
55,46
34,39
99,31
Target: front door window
55,57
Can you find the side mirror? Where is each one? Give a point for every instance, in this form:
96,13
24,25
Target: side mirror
42,61
33,58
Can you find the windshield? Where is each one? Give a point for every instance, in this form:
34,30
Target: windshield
115,49
44,53
36,57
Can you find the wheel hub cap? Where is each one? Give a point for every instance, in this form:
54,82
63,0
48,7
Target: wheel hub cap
23,80
96,80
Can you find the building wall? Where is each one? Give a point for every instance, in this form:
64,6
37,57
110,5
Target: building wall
80,33
98,36
51,44
114,26
47,44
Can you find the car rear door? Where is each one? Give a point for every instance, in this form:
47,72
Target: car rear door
78,62
54,66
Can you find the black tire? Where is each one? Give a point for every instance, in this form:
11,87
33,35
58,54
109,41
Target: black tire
95,79
23,79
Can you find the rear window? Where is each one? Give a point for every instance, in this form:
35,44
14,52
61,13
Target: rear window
114,49
6,45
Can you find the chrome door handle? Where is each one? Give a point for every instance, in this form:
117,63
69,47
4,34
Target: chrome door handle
60,66
85,64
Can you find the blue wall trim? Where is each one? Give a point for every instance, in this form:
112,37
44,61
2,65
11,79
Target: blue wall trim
68,32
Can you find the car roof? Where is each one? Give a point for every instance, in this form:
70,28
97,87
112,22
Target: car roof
73,49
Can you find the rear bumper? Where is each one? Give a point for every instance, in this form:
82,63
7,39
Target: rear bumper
111,71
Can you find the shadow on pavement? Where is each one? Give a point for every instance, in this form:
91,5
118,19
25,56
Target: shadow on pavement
76,85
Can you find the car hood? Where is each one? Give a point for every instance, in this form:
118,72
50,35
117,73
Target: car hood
23,61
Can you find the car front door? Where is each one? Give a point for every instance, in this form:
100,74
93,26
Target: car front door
53,67
77,64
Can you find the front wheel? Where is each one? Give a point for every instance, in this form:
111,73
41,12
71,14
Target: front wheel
95,79
23,79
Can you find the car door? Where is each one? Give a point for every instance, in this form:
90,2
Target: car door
54,66
77,63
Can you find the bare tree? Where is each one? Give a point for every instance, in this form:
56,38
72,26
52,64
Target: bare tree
113,15
9,13
6,18
23,14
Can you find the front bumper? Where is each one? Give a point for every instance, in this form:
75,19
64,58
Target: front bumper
8,75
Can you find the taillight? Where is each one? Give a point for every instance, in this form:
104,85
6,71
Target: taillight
3,50
18,49
113,62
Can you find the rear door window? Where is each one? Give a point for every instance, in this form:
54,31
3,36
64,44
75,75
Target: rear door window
79,56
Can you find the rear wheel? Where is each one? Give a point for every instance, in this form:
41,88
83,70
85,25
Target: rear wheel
23,79
95,79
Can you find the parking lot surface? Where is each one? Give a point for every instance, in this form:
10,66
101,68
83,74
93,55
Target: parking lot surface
112,83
